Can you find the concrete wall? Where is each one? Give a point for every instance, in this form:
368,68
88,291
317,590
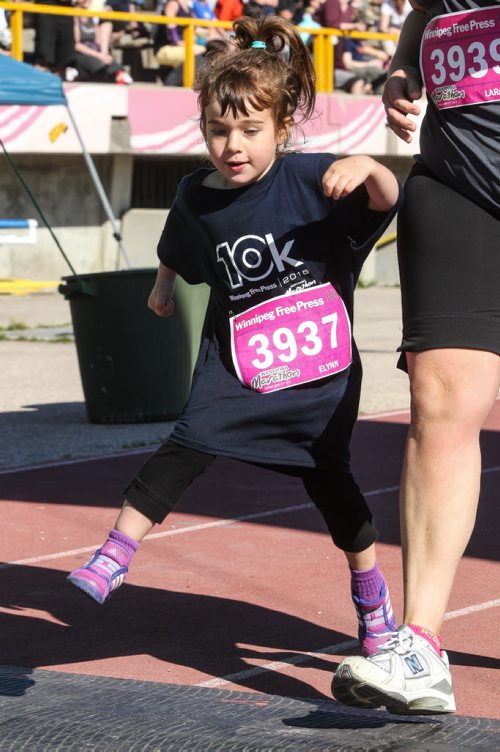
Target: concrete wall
72,208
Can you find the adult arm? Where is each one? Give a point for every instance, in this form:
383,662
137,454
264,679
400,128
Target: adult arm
385,17
170,10
404,84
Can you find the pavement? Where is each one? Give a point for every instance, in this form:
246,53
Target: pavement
42,408
205,648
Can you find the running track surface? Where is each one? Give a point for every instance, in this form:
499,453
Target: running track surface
241,588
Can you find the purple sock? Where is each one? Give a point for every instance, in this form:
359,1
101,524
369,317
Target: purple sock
120,547
367,583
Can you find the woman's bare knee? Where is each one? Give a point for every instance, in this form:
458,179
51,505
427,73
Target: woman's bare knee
452,386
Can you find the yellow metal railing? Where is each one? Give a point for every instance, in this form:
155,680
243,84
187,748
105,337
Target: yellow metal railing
322,38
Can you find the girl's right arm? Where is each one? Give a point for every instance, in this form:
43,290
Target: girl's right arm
404,84
161,298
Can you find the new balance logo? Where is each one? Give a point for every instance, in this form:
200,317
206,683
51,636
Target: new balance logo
414,664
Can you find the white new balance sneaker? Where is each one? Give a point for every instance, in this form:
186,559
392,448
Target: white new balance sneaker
406,676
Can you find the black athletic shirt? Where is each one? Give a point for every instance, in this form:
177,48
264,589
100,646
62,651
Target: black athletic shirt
461,145
245,243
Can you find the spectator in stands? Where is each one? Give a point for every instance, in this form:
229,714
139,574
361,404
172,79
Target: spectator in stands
228,10
341,14
257,8
308,21
168,42
368,11
177,9
91,62
287,9
176,76
54,40
203,10
392,17
112,31
367,61
121,33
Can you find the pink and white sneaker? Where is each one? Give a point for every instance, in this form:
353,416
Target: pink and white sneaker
376,621
105,572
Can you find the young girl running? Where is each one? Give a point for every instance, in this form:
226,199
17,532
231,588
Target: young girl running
280,238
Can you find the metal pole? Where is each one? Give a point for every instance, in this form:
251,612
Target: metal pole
100,191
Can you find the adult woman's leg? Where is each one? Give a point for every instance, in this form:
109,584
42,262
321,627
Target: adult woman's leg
452,393
449,270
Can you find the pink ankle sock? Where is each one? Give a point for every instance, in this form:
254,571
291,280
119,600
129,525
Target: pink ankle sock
432,638
367,583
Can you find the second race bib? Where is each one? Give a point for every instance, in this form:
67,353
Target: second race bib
291,339
460,58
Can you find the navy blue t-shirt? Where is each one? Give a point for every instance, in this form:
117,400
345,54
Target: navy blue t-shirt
251,244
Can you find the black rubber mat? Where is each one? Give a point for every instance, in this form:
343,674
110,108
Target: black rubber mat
48,711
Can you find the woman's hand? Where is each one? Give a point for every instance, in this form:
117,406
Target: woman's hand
401,89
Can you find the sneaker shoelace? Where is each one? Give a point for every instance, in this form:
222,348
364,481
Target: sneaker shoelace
400,643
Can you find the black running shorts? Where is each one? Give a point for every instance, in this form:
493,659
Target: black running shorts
449,264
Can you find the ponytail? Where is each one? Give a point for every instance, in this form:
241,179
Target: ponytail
280,37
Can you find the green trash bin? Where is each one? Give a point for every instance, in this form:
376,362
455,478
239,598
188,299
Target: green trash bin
134,365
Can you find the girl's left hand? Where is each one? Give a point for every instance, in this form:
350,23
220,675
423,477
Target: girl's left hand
345,175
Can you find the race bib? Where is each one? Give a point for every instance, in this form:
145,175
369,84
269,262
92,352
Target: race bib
460,58
291,339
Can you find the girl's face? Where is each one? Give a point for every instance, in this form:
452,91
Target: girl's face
242,148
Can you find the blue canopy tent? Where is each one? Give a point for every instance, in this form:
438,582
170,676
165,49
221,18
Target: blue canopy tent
22,84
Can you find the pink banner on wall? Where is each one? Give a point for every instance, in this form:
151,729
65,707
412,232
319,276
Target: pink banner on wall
166,121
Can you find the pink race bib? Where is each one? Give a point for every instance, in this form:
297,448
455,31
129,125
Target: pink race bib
291,339
460,58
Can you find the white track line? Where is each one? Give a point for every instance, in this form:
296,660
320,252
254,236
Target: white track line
471,609
185,530
274,665
336,649
294,660
201,526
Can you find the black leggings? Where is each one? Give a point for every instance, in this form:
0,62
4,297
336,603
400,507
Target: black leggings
161,482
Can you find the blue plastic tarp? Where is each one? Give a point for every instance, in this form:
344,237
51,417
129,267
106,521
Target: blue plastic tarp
21,83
